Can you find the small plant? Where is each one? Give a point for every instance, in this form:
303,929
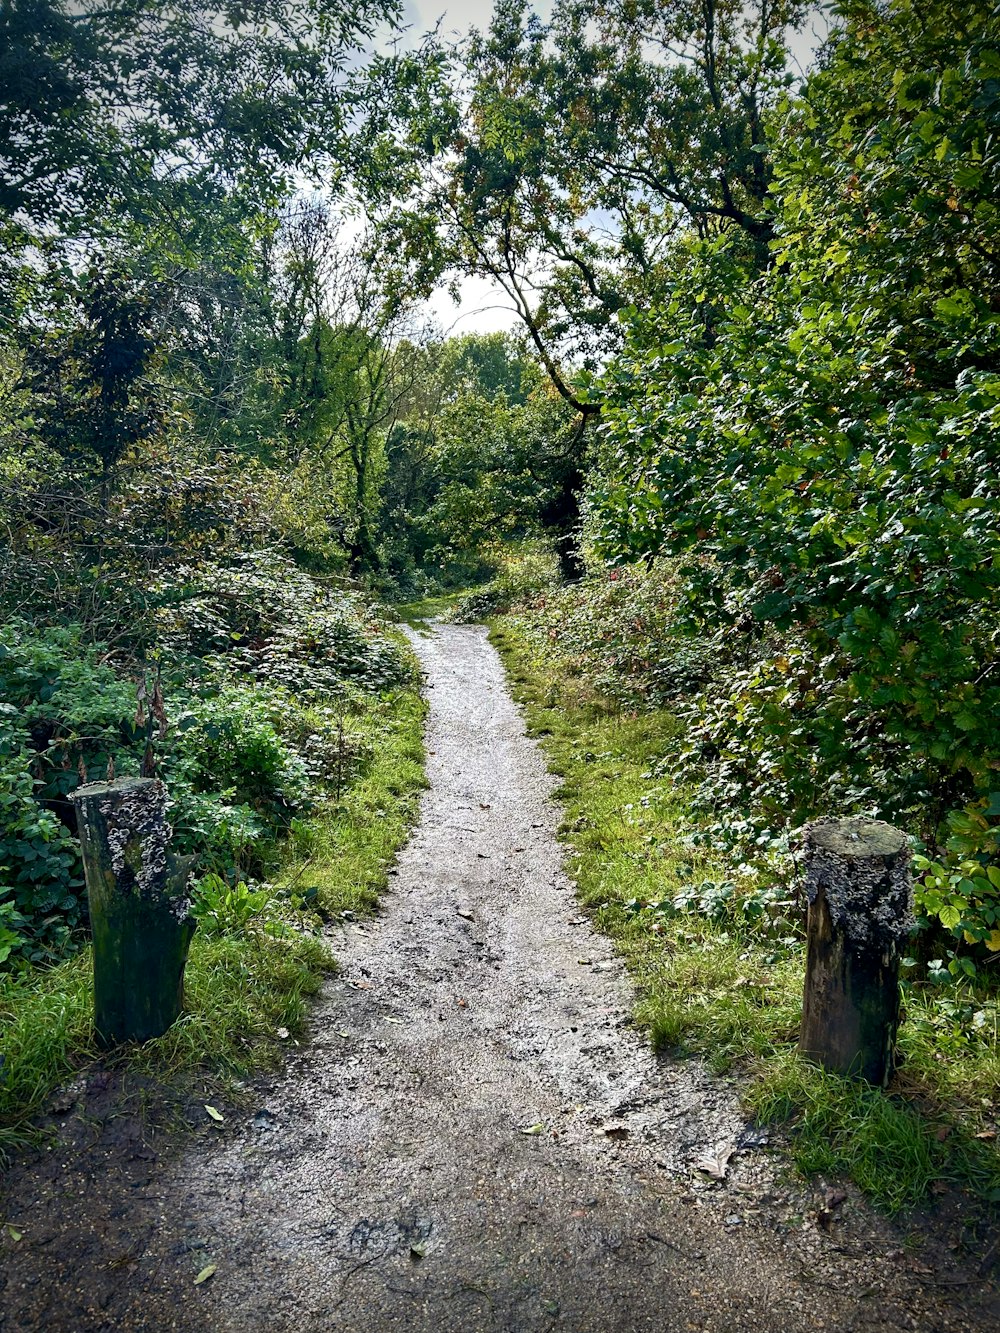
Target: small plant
223,909
13,938
960,902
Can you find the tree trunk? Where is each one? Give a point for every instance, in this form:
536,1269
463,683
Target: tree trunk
139,908
859,886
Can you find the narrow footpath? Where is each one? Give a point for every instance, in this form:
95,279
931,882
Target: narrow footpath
476,1138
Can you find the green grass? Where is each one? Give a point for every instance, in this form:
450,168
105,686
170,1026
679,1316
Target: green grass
731,992
348,849
415,614
241,987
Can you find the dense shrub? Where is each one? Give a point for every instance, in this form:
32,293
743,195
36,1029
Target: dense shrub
260,615
620,629
259,665
817,449
522,570
63,714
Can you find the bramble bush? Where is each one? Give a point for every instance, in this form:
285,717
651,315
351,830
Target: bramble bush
261,616
255,733
817,451
624,635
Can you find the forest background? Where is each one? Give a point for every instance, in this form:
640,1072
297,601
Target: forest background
735,472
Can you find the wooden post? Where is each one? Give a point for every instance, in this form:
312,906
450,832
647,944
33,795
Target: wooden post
139,908
860,893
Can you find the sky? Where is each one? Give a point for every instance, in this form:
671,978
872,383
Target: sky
481,308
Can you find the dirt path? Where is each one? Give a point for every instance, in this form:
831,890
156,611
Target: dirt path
386,1180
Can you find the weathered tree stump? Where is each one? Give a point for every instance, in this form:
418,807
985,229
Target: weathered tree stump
139,908
860,892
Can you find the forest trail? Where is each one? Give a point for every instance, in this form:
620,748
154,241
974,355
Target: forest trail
386,1180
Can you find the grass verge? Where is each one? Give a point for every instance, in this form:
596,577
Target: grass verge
718,985
245,983
416,614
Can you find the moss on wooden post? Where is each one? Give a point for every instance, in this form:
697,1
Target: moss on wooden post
860,891
139,908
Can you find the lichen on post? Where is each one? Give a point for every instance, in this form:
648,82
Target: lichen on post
140,911
860,890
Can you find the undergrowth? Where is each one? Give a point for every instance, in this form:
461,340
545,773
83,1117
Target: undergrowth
718,959
257,956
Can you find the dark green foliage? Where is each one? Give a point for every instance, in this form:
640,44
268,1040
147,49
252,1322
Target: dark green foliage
63,714
252,735
817,448
129,107
260,616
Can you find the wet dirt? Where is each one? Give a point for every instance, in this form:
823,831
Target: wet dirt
475,1138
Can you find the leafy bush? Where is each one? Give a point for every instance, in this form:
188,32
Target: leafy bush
261,616
40,871
63,715
620,629
523,571
229,745
816,451
242,754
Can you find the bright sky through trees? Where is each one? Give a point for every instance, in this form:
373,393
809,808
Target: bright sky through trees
482,308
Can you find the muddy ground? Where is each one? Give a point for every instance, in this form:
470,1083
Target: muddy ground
474,1139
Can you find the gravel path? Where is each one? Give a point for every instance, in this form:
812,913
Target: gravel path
475,1139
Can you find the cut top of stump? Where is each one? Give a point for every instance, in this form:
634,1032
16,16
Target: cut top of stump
120,787
862,869
856,839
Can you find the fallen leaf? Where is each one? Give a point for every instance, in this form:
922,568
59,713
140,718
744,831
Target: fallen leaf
216,1115
207,1272
535,1129
715,1164
13,1232
986,1134
343,1034
418,1249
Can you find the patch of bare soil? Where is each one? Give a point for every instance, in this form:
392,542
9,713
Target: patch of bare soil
475,1138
